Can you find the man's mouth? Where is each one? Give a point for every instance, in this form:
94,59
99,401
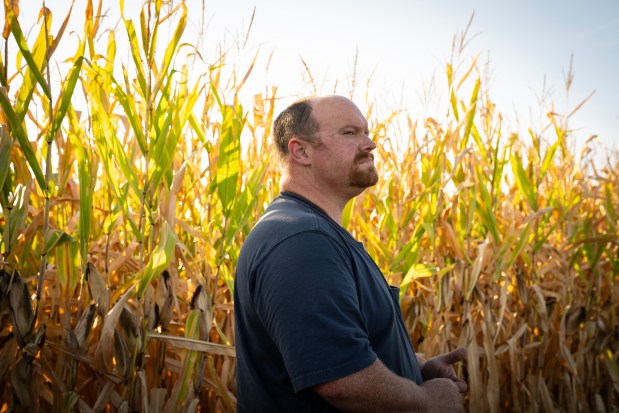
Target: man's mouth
365,158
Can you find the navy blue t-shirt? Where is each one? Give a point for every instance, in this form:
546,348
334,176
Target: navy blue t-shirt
310,306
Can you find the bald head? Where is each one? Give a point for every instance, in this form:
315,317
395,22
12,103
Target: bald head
299,119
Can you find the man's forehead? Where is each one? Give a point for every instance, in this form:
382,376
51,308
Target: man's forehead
336,109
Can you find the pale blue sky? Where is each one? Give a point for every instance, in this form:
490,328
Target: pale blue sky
403,44
407,42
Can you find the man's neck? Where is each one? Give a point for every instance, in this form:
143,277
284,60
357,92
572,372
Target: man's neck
333,206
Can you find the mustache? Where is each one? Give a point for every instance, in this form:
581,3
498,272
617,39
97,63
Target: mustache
363,156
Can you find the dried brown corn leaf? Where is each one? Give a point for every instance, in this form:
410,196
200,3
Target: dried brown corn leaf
5,311
493,388
194,345
104,396
98,290
475,382
600,407
157,399
610,362
20,304
25,380
122,356
83,327
544,395
128,328
164,300
105,348
8,354
201,301
140,393
192,407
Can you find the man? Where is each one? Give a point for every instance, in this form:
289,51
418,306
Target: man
317,327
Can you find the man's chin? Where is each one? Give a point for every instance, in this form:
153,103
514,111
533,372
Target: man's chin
366,180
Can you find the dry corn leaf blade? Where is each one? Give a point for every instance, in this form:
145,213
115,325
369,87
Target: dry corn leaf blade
105,348
194,345
98,290
84,325
493,388
164,300
22,315
477,266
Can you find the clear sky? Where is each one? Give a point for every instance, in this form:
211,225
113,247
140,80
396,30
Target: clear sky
403,44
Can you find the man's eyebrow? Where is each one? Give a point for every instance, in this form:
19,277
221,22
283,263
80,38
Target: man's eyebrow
355,126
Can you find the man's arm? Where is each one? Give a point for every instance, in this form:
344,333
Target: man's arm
377,389
441,366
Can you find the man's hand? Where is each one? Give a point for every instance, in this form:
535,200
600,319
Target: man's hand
441,366
444,396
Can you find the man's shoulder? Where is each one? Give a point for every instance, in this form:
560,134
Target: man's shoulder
288,216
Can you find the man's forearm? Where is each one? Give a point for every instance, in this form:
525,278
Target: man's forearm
376,388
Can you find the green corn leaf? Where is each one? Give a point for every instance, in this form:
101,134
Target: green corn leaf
544,237
3,81
5,154
54,238
470,115
523,181
165,148
87,175
106,137
347,213
20,134
135,54
374,240
110,55
127,101
413,255
454,105
244,207
229,156
159,260
23,47
109,149
498,164
151,48
17,217
609,207
89,28
67,94
548,158
171,50
144,34
181,388
488,219
450,74
194,122
523,236
29,80
419,271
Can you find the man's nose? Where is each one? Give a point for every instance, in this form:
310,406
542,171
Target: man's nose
369,144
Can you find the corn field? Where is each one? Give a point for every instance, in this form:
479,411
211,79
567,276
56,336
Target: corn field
127,186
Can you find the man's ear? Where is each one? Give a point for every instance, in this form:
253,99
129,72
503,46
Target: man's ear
297,151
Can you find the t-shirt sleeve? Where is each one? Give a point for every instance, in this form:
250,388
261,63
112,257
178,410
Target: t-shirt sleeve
305,295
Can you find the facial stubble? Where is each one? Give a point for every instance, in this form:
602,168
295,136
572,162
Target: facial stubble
361,177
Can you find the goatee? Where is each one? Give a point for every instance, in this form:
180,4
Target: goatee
362,177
